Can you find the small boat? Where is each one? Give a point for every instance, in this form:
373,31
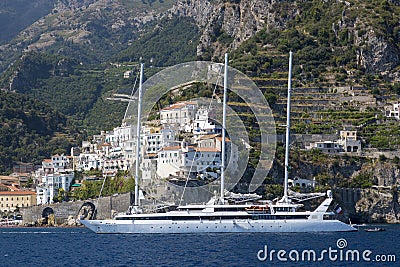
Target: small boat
375,229
360,225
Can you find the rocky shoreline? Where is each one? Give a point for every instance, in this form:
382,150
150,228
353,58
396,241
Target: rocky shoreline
50,221
372,205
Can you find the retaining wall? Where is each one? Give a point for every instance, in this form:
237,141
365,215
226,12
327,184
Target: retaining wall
105,206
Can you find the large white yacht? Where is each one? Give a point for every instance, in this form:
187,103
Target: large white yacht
229,212
225,218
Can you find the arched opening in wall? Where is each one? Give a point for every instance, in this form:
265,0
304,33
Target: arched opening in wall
48,215
87,211
355,148
348,149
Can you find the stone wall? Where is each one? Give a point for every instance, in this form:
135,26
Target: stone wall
105,208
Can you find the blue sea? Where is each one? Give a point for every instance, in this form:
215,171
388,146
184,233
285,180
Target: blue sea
81,247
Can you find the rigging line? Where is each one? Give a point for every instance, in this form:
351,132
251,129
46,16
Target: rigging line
191,165
169,203
215,87
126,111
187,178
98,199
131,96
214,92
102,186
154,197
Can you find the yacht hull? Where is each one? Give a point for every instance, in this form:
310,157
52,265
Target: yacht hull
217,226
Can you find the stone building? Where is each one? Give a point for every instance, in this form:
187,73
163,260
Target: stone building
11,200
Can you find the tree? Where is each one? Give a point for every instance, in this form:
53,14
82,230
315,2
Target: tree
62,195
362,180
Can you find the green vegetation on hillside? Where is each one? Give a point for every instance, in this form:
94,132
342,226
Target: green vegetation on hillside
325,38
75,90
121,183
172,41
31,131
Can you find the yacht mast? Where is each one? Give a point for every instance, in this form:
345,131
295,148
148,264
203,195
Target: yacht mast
223,129
285,189
139,113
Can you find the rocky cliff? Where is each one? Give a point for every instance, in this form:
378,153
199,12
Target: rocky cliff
235,21
379,203
378,206
224,24
373,205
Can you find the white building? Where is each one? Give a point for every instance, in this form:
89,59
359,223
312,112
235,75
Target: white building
60,162
128,74
394,111
202,123
54,174
179,114
330,147
110,151
304,183
192,161
169,161
88,161
48,189
154,138
348,141
201,160
86,147
119,135
110,167
215,141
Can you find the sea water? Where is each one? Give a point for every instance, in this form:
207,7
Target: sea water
81,247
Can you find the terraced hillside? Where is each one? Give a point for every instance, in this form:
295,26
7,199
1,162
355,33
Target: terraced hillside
324,108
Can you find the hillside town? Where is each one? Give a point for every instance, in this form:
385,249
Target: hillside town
195,156
185,144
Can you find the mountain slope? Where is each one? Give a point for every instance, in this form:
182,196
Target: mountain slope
92,30
74,57
16,15
31,131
